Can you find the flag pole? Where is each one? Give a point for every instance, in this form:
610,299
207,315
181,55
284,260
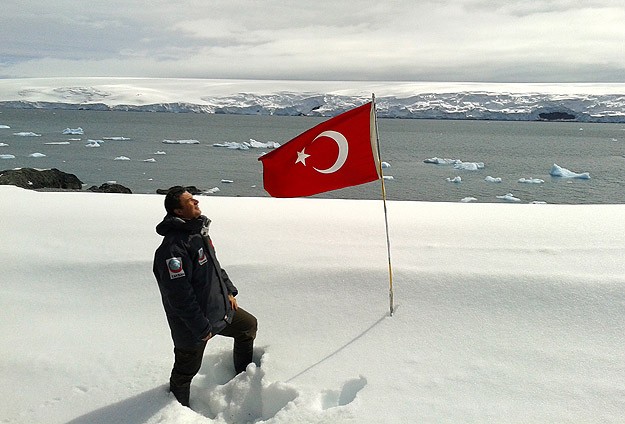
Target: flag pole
388,240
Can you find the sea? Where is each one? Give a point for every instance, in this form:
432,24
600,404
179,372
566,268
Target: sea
132,152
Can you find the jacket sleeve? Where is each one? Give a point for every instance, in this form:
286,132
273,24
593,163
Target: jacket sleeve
229,285
178,293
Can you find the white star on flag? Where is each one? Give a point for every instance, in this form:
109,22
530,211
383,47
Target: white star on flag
301,157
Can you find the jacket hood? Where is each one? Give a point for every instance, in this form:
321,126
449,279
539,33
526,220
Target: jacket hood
175,223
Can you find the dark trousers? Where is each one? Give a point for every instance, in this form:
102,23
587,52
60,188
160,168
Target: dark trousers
187,361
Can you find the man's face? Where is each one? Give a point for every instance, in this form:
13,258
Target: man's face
189,208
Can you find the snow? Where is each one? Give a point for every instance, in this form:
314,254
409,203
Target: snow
581,102
502,312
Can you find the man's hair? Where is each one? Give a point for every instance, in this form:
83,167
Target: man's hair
172,199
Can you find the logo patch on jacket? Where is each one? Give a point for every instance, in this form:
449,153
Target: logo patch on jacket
174,266
202,259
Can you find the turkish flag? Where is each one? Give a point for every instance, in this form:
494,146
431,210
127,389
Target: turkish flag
340,152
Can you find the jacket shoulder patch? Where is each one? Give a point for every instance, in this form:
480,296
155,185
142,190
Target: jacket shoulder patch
174,266
202,259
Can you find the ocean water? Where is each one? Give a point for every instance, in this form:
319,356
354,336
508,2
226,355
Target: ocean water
509,150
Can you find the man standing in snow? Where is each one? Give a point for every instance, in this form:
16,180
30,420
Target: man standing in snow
198,297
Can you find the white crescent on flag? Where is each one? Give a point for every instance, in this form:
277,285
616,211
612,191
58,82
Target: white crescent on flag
341,142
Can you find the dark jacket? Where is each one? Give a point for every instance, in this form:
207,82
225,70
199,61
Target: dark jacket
194,288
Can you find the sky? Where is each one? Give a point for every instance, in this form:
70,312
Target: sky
401,40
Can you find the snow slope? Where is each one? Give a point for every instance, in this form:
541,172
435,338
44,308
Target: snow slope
507,313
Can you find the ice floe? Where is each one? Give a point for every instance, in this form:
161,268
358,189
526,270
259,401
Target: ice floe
73,131
558,171
246,145
181,141
531,180
509,198
27,134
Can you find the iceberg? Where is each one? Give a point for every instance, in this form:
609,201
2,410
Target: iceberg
36,155
509,198
531,180
7,156
456,163
27,134
73,131
122,158
468,199
455,180
469,166
492,179
246,145
558,171
181,142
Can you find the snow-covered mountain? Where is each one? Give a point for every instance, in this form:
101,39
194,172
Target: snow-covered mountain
519,102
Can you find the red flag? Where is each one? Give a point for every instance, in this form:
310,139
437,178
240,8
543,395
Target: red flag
340,152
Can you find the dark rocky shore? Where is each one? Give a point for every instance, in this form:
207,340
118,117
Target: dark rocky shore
56,180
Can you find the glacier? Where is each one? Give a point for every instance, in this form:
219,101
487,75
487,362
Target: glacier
460,101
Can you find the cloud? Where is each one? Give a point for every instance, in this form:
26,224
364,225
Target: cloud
467,40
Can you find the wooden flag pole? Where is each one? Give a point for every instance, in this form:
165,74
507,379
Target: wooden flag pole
388,240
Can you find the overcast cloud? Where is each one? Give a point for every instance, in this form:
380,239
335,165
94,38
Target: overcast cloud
408,40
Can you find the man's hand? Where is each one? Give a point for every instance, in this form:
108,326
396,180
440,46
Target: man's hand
207,338
233,302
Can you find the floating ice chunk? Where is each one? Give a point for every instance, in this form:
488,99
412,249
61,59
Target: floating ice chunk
531,180
211,190
4,127
558,171
36,155
7,157
260,145
469,166
385,165
27,134
468,199
439,161
3,145
122,158
116,138
538,202
232,145
492,179
74,131
159,152
227,181
246,145
57,143
181,142
509,198
389,177
92,143
150,160
455,180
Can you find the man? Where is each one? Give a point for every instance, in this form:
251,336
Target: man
198,297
